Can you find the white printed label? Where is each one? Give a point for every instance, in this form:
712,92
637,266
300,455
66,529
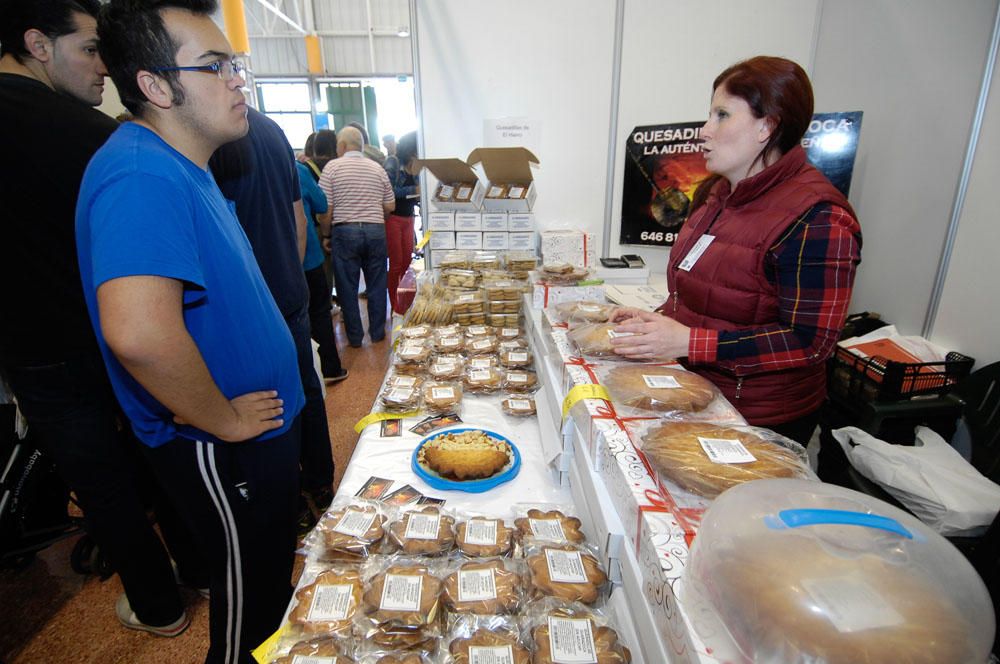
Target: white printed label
851,605
589,308
517,357
696,251
571,641
479,375
444,367
450,342
547,529
517,378
615,335
515,192
330,603
442,393
468,297
476,585
447,191
565,566
481,363
519,404
399,394
401,592
491,655
410,351
422,526
481,344
725,450
313,659
355,523
404,381
658,382
477,330
495,191
464,192
509,332
513,344
481,532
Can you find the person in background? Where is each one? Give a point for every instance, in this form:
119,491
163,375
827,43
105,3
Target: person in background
761,275
51,77
369,150
197,350
259,174
360,198
320,309
399,225
324,148
391,162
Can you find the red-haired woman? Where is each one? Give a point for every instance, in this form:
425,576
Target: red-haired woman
760,277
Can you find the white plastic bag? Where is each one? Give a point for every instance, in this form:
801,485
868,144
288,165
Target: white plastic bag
931,479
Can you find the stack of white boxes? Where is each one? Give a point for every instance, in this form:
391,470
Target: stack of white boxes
490,231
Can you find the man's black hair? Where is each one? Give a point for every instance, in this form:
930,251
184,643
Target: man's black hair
406,148
133,38
53,18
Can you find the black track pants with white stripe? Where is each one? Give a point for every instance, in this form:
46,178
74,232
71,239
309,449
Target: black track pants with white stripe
240,502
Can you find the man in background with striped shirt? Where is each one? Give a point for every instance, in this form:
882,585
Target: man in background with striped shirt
360,198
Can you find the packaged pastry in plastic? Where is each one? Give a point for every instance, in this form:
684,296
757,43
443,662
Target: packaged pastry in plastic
376,655
503,320
497,191
563,273
567,572
425,531
706,459
594,339
476,331
469,303
481,346
482,380
520,381
402,603
584,311
447,367
516,359
478,318
455,259
546,524
485,587
463,193
509,333
666,391
480,537
476,639
327,605
521,261
482,362
350,531
411,357
503,306
400,399
403,380
320,649
442,397
445,192
504,291
512,345
452,343
486,260
518,405
456,278
415,332
449,330
572,632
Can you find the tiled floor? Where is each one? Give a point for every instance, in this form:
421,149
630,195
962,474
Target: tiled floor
48,613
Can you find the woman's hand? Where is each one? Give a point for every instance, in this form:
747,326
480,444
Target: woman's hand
620,314
654,337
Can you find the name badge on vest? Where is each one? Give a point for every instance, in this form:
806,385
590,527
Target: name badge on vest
696,251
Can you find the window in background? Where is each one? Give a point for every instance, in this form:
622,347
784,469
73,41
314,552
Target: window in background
287,103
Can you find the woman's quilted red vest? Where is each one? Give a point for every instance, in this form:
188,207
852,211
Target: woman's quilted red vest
728,287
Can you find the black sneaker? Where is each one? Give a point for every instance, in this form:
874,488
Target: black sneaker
336,378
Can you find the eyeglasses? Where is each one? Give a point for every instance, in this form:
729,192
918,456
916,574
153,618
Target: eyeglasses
227,70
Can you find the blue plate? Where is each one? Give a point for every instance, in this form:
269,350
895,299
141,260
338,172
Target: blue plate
469,486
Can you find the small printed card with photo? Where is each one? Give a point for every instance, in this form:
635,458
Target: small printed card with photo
430,424
404,495
373,488
391,428
428,500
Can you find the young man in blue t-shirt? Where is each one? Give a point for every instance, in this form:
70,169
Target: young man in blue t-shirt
197,351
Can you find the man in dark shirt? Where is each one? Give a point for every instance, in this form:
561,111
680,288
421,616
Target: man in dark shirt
50,77
258,173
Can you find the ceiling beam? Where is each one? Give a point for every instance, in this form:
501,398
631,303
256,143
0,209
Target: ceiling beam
280,14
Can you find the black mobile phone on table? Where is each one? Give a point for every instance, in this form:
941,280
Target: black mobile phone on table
613,262
633,260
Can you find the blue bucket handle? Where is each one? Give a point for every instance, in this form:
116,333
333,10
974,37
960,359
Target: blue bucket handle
798,518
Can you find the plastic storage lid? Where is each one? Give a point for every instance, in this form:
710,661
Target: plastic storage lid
799,571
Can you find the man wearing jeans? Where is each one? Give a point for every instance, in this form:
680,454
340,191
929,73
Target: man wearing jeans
360,197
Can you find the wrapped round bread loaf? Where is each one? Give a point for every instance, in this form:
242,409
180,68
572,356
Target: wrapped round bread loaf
450,344
485,380
441,397
328,604
481,346
659,389
583,311
677,453
483,638
403,596
352,533
516,359
594,339
427,532
566,573
520,381
447,367
480,537
518,406
550,526
577,633
324,647
482,587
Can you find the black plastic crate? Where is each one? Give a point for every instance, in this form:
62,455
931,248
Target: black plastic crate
869,379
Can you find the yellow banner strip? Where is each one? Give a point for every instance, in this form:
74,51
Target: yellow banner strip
372,418
580,392
424,240
264,653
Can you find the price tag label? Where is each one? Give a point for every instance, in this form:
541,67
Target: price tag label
400,394
482,344
313,659
481,363
330,603
481,532
660,382
696,251
550,530
479,375
517,378
851,604
355,523
477,330
491,655
404,381
510,333
401,592
442,393
518,357
565,566
421,525
571,641
725,450
519,404
476,585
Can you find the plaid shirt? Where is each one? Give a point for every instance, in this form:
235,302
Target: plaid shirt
813,267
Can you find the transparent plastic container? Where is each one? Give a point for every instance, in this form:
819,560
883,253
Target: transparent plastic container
797,571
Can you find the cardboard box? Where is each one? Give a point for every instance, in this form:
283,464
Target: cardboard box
442,240
507,166
457,172
544,295
437,257
468,221
520,221
495,240
577,248
495,221
468,240
522,241
441,221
